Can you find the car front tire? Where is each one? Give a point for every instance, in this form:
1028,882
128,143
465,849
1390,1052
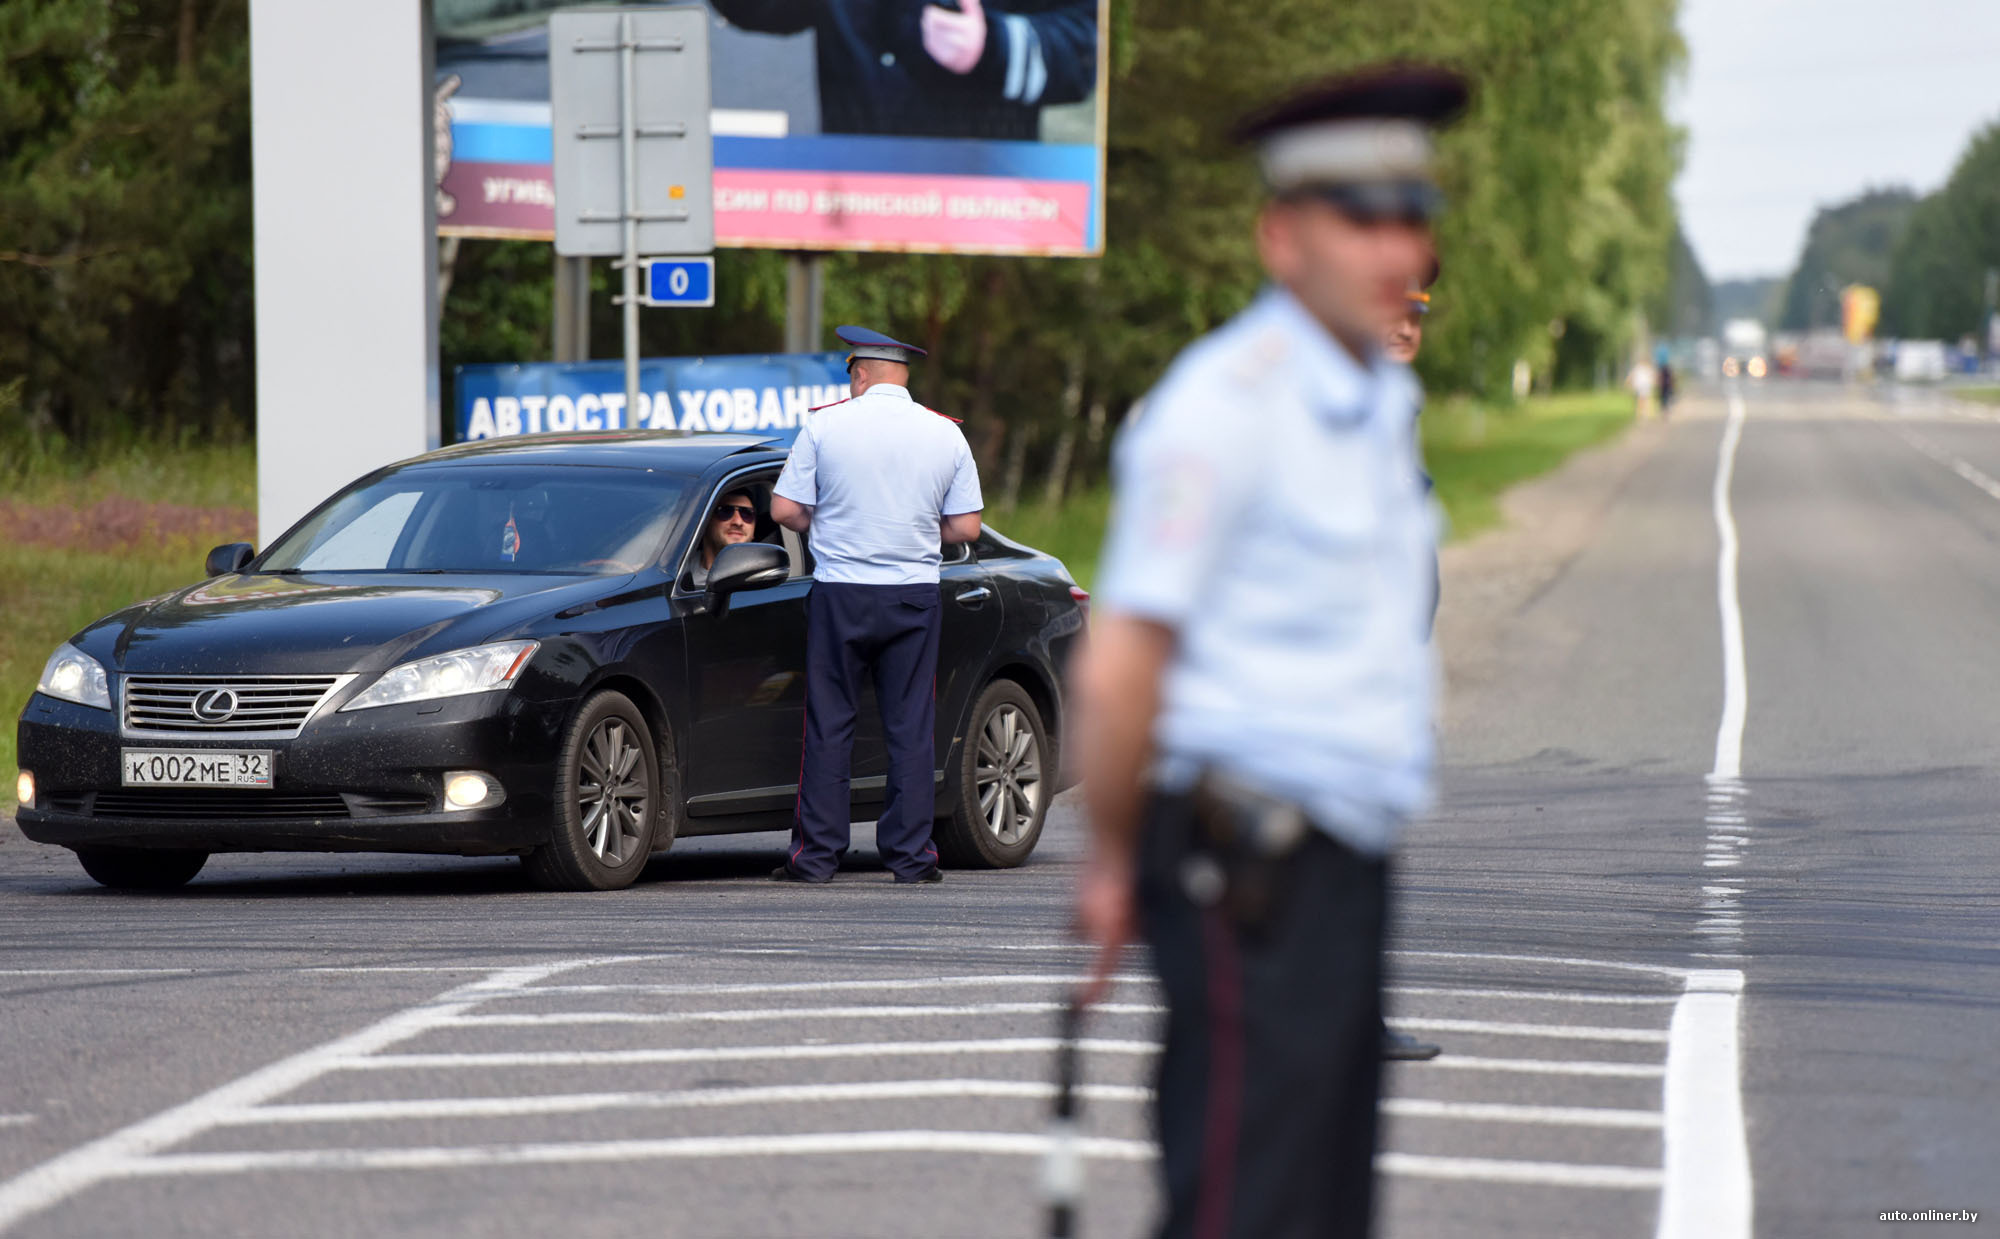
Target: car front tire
607,800
141,869
1005,781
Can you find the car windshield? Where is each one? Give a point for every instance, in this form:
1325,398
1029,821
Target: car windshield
488,518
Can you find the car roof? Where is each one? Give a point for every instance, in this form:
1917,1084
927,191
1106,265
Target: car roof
629,449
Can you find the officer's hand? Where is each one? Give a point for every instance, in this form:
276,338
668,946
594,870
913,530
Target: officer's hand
955,40
1104,918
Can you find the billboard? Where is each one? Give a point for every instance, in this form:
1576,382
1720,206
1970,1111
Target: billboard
939,126
768,394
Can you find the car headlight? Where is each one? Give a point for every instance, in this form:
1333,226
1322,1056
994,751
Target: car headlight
73,675
482,669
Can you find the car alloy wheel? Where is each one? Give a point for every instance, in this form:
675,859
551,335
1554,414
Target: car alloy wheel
607,800
1007,774
614,792
1003,785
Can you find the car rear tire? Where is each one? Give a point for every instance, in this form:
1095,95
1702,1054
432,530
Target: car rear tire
607,800
1005,781
141,869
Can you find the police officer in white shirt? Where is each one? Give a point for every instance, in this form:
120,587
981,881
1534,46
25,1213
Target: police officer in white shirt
1256,714
877,483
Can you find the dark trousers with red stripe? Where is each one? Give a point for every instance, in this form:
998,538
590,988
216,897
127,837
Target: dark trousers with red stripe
1271,1072
856,633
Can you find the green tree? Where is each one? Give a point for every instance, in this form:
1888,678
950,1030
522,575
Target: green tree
1851,243
1938,280
125,216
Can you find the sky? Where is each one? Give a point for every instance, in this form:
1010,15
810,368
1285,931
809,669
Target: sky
1791,105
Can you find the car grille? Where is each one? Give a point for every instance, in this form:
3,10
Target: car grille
218,806
269,707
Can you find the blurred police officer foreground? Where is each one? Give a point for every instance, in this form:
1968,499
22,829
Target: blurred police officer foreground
1257,693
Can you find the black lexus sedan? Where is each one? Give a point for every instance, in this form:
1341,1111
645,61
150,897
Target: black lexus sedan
508,648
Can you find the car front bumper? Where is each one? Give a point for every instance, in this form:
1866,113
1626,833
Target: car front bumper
367,780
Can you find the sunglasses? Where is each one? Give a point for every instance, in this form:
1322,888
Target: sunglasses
723,511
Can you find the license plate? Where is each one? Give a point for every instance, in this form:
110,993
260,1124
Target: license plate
197,767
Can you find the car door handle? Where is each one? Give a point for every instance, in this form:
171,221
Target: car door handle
974,597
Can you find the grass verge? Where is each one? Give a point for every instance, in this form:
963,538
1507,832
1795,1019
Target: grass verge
1984,395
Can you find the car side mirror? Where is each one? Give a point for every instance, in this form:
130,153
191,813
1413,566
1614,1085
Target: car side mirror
747,565
229,558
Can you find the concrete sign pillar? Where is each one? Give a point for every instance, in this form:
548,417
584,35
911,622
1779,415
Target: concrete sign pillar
346,245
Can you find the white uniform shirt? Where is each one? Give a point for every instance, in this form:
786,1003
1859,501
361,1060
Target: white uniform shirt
879,472
1270,511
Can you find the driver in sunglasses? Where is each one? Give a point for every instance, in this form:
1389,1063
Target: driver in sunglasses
733,519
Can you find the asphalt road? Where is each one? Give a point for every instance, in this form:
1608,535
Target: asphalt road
366,1045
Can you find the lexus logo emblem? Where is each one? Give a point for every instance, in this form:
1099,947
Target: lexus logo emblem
215,705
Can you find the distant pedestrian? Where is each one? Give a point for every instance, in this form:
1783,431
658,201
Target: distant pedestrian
1666,389
877,483
1257,718
1642,381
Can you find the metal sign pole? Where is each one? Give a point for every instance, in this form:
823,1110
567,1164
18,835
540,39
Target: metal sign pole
628,139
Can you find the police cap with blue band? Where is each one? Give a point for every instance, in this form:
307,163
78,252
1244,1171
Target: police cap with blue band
865,344
1361,142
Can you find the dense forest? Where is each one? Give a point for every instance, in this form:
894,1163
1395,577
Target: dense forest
125,255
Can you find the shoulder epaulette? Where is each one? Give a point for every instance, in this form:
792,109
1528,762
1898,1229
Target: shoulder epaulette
946,416
816,408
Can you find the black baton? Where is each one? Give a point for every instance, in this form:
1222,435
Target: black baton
1062,1172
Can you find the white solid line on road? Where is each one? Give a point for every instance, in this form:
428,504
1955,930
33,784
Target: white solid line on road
115,1155
677,1099
95,972
1503,1112
734,1053
765,1015
1494,1170
1735,683
805,1144
887,984
1566,961
1707,1190
1569,1032
1541,1066
1017,1144
16,1120
1449,991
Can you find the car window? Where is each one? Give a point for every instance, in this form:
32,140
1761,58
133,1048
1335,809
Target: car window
369,539
758,487
489,518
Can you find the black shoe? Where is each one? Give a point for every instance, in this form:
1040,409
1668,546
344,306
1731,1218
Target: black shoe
1402,1047
932,874
785,873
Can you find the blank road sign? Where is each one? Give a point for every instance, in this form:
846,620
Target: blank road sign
674,154
687,282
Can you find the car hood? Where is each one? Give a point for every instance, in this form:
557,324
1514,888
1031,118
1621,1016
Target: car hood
326,624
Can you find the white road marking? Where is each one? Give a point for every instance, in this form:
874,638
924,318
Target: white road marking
765,1015
1500,1112
116,1155
1962,468
885,985
1542,1066
1565,961
16,1120
734,1053
95,972
1570,1032
1707,1191
1735,682
677,1099
1494,1170
1553,1174
1447,991
805,1144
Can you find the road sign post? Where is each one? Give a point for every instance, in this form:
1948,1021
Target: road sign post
654,191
